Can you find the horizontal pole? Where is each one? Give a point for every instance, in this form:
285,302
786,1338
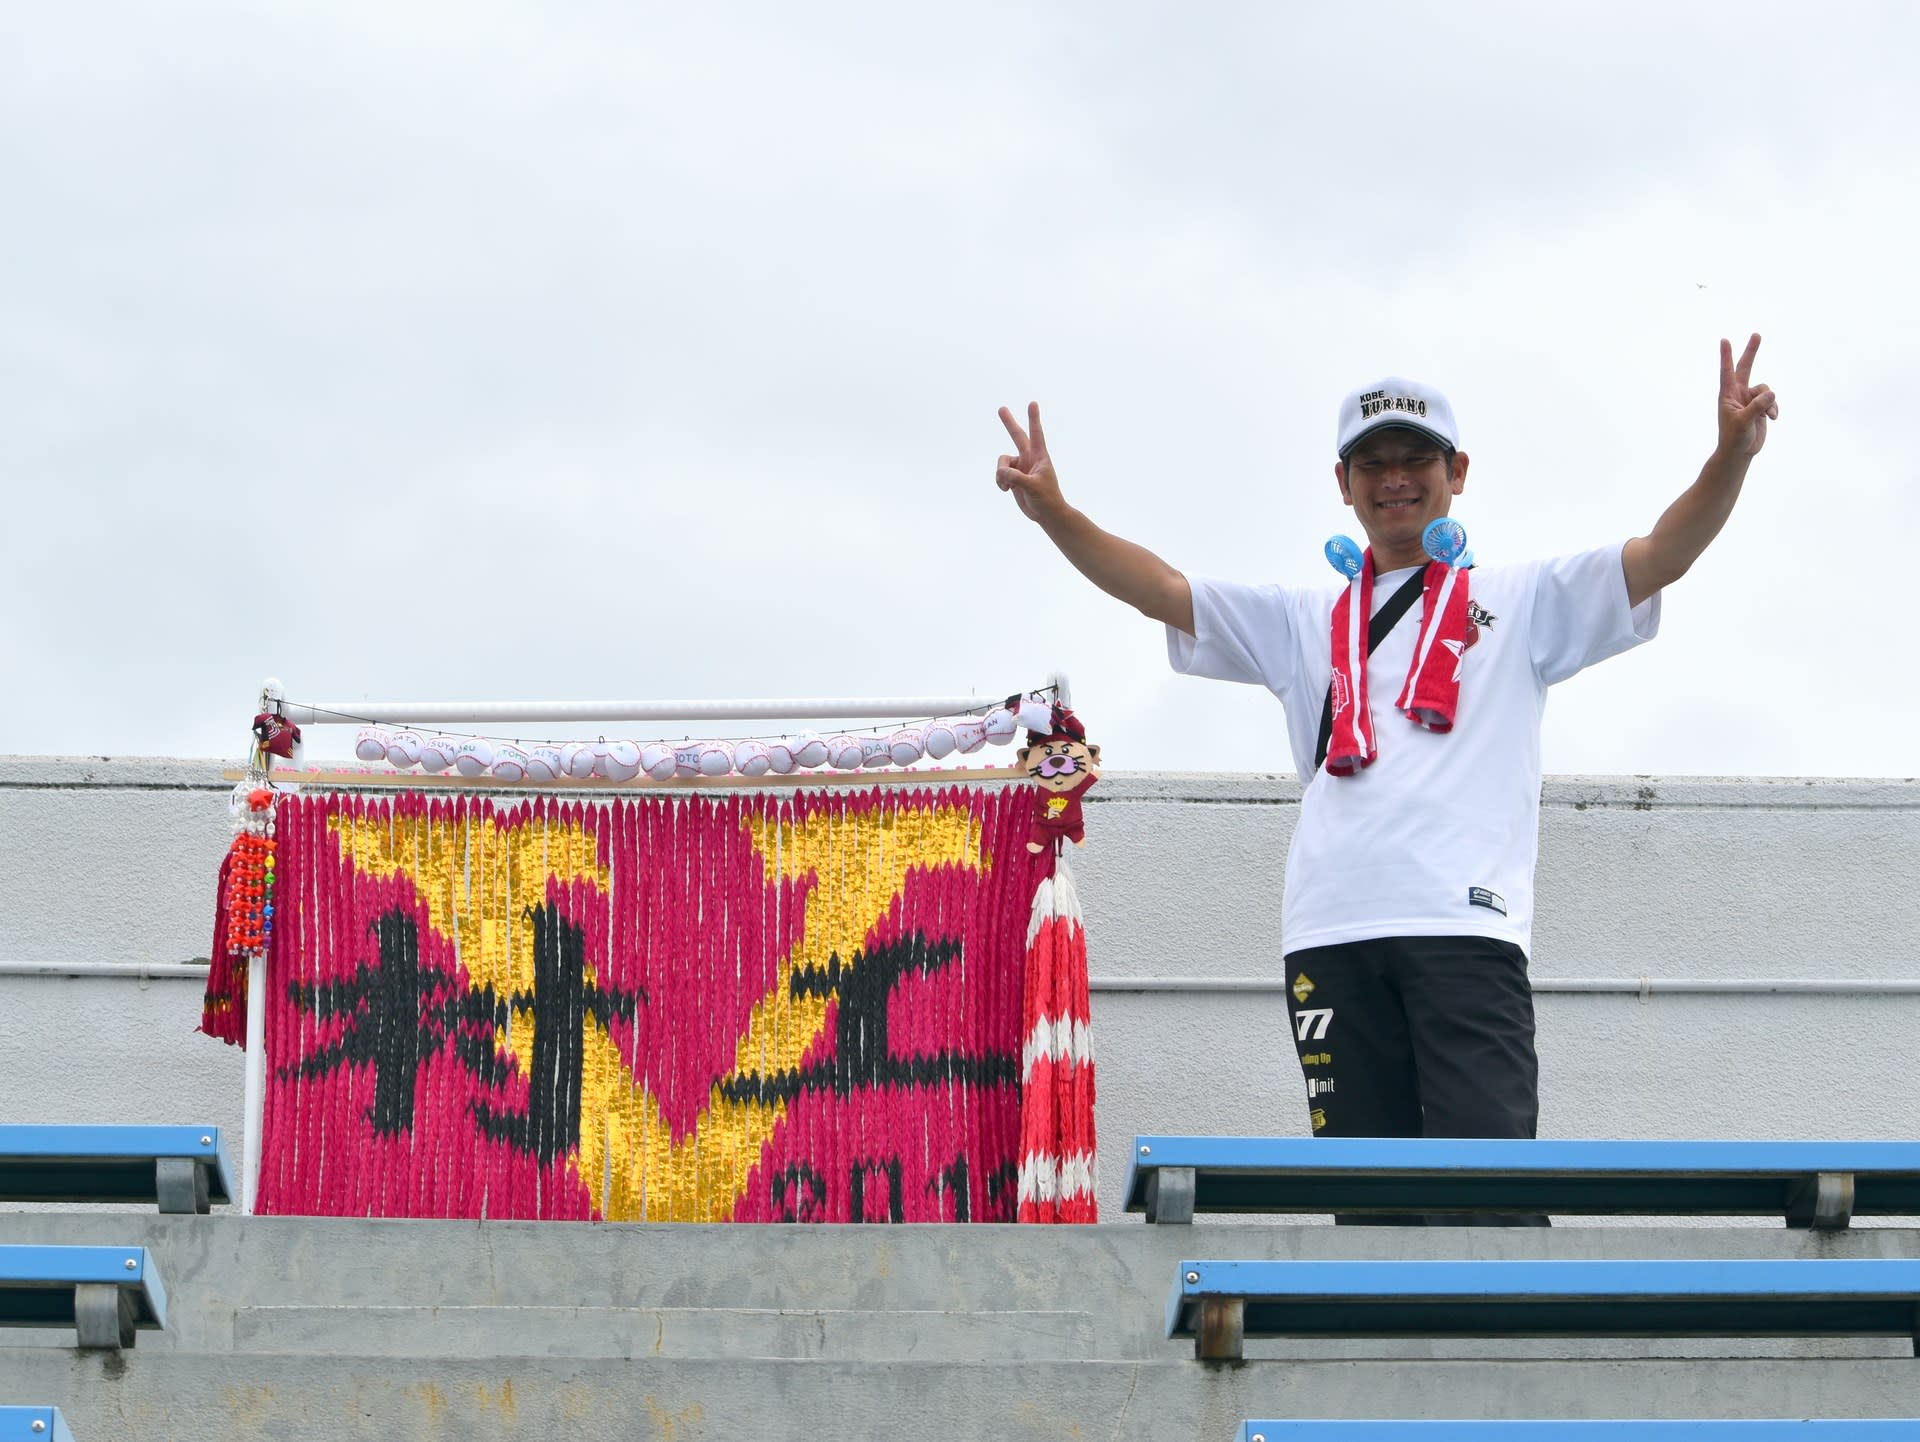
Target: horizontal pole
448,781
1621,985
146,970
488,713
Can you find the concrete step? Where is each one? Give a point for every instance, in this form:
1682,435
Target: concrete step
158,1397
667,1332
348,1261
266,1283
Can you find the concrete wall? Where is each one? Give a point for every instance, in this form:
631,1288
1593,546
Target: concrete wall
1787,883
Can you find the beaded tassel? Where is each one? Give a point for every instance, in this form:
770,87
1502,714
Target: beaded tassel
250,878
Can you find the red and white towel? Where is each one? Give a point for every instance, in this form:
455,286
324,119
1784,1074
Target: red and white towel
1431,695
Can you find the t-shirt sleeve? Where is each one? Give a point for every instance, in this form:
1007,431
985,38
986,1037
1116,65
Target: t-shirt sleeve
1240,633
1580,613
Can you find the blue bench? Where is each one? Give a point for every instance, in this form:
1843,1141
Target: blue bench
1219,1303
33,1424
1713,1430
183,1169
105,1293
1817,1184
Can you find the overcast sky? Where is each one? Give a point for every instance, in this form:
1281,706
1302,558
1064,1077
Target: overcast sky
512,351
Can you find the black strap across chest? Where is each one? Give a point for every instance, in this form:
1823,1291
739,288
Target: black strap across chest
1384,620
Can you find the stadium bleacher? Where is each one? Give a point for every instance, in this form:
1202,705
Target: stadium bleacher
1816,1184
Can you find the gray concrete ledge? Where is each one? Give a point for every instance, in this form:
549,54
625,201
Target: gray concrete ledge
1117,788
149,1398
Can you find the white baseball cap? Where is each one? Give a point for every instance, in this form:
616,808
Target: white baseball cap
1396,401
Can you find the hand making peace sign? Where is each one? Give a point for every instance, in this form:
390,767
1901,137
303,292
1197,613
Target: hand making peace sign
1029,475
1745,408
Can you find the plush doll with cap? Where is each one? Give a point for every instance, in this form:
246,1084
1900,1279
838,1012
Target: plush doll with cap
275,735
1063,766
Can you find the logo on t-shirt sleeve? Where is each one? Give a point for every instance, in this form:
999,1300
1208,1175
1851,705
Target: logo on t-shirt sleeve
1492,900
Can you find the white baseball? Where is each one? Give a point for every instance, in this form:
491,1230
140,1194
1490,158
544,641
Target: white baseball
939,740
1034,714
780,758
686,760
437,753
473,757
370,744
576,759
544,764
1000,725
809,750
623,760
845,754
656,759
907,745
969,735
753,758
510,762
404,748
875,751
716,758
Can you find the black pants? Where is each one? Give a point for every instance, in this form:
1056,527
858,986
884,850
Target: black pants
1417,1036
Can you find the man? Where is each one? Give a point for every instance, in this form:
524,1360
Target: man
1409,883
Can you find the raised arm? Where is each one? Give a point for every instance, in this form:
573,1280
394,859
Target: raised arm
1663,555
1122,569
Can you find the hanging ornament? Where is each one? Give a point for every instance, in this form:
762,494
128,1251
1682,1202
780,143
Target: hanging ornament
248,899
276,735
472,757
437,753
1031,712
404,749
1062,765
940,740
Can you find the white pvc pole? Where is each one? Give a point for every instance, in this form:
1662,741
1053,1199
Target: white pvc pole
496,712
256,1096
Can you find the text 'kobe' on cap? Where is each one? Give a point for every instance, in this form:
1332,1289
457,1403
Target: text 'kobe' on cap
1396,401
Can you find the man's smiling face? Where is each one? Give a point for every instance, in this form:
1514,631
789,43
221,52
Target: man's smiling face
1398,481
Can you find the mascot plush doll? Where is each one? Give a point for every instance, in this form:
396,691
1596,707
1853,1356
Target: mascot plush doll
1063,766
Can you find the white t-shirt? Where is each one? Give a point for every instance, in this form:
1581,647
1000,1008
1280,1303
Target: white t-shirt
1438,836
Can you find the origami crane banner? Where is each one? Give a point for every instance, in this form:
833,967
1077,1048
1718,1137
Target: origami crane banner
667,1009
